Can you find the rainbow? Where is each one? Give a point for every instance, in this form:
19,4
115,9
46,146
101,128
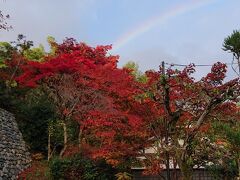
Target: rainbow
156,20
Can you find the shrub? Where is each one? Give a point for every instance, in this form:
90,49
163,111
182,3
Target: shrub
79,167
38,171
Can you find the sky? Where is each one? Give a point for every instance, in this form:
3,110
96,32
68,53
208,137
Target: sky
144,31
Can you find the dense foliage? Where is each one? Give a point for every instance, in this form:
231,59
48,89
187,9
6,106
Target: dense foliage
81,167
91,119
231,44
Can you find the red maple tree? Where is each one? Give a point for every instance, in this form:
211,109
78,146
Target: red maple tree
186,107
87,86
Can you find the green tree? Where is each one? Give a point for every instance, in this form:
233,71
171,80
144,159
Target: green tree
6,51
53,45
33,114
22,44
35,54
31,107
232,44
231,134
139,76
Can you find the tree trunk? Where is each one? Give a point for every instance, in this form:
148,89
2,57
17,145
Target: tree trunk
238,61
65,139
186,171
80,138
238,165
185,166
167,154
49,144
175,168
168,165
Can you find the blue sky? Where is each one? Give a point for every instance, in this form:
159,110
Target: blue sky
195,35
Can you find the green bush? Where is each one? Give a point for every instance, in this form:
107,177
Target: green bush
79,167
229,169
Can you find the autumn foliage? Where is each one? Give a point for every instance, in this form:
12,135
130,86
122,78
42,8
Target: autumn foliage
119,118
186,109
87,86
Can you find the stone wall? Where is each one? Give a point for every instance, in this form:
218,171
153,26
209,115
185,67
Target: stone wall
14,157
